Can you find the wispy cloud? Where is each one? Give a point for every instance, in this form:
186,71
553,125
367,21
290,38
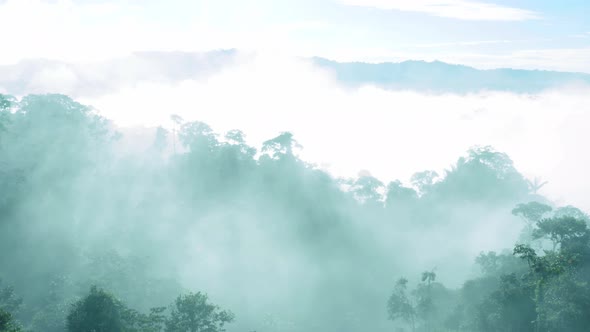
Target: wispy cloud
303,25
458,9
463,43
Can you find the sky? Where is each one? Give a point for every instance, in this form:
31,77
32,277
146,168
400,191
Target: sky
532,34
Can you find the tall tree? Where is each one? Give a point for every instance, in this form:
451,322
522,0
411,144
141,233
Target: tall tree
399,305
99,311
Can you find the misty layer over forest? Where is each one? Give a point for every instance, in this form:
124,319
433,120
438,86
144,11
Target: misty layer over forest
100,78
202,232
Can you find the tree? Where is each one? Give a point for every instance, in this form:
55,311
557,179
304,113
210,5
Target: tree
197,136
571,211
281,146
423,181
493,264
399,305
567,299
396,192
193,313
554,274
99,311
7,323
510,307
483,175
9,304
531,212
366,188
425,298
566,231
536,184
6,102
161,140
138,322
9,301
425,302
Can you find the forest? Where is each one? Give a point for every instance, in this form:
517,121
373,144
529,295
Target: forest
200,231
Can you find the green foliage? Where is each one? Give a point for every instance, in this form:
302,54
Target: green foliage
425,307
485,174
5,102
493,264
423,181
559,276
7,323
138,322
193,313
99,311
531,212
571,211
9,301
220,213
281,146
509,308
397,193
565,231
399,305
366,189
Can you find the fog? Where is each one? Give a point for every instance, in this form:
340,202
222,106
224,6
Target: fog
407,130
301,225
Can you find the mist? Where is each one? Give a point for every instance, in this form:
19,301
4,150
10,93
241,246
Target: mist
271,94
272,186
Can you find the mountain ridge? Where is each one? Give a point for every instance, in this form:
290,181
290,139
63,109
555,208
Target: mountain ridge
53,76
444,77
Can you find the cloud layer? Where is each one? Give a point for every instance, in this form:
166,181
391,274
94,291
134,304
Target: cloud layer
390,133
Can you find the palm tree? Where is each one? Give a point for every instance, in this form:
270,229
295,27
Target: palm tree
536,184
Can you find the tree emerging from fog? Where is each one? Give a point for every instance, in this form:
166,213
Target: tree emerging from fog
94,237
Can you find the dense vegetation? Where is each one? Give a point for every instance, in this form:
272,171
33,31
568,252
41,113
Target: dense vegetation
95,239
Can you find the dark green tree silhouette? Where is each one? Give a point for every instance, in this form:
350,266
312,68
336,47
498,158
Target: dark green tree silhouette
99,311
193,313
7,322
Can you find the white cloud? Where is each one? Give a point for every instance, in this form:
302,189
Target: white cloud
87,32
90,31
458,9
64,30
60,78
93,31
392,134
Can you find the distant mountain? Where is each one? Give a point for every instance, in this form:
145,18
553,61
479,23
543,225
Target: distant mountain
443,77
87,80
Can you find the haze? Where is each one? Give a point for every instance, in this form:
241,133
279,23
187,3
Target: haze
296,165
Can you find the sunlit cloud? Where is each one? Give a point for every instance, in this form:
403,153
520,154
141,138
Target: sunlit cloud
457,9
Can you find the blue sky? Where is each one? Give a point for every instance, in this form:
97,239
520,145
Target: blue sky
543,34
